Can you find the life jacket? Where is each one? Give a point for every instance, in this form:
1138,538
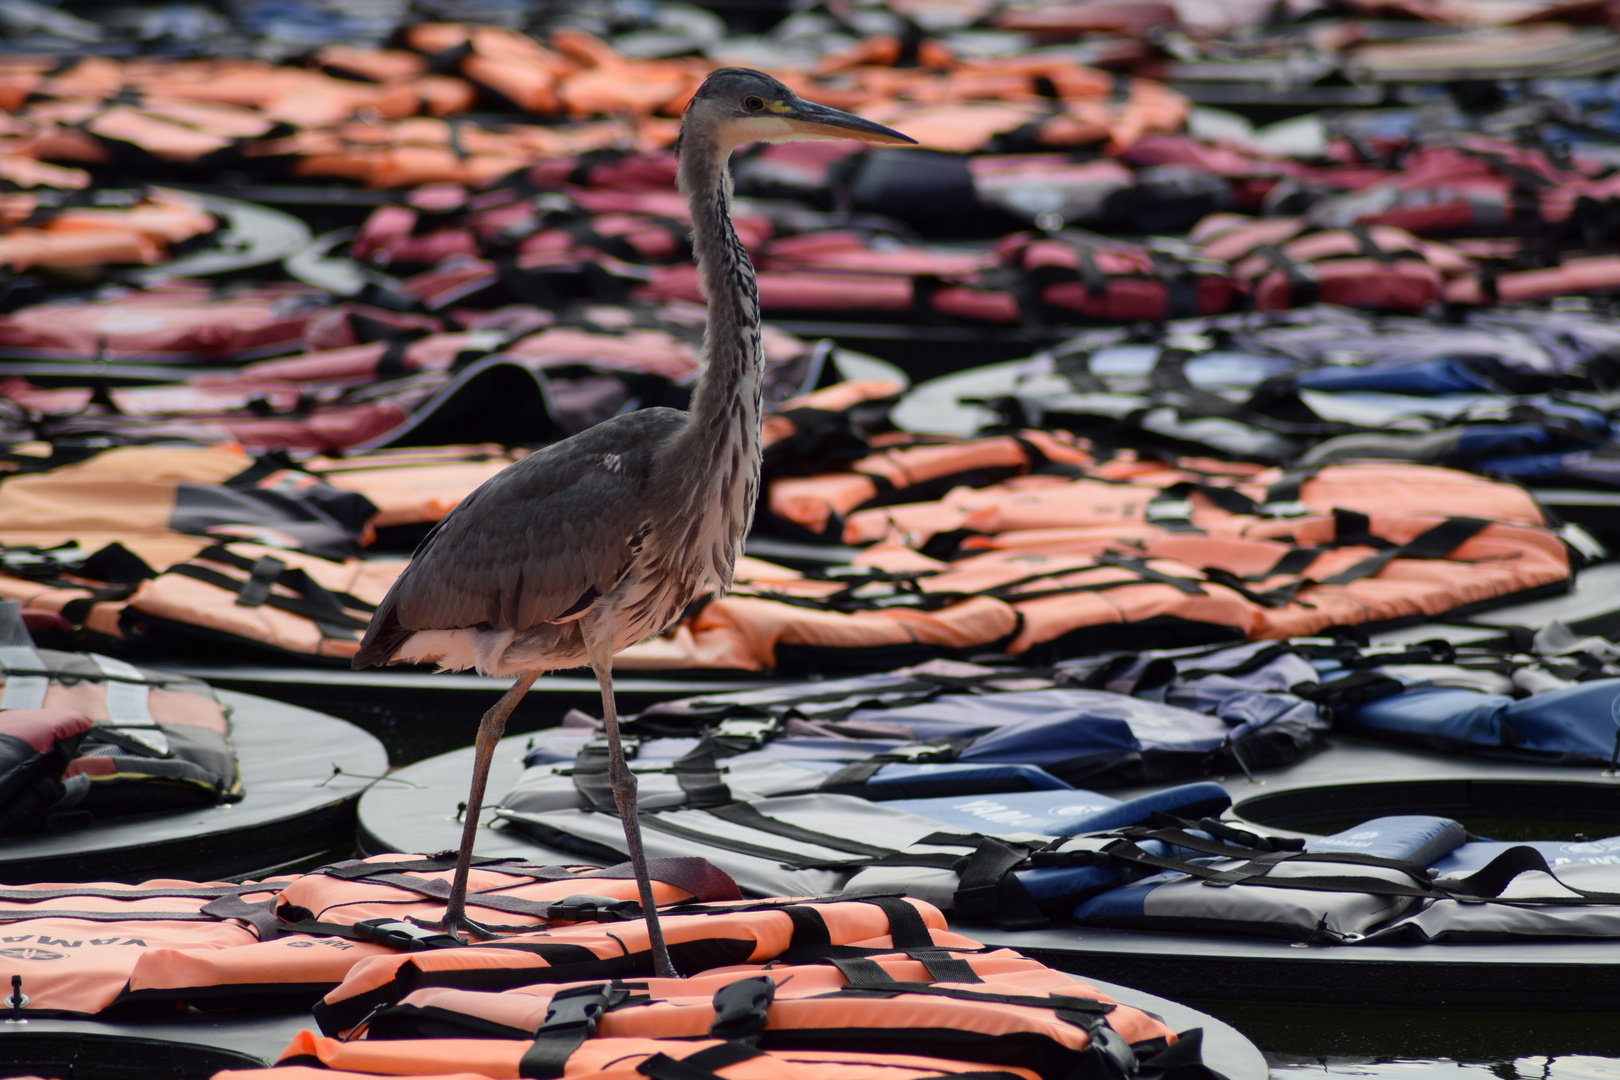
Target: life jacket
831,425
1509,437
1288,265
622,1059
410,487
1569,277
429,150
1002,869
819,504
706,937
247,595
113,947
67,235
831,843
635,228
1048,593
1103,116
603,82
503,62
1003,1011
946,728
1544,900
1415,697
891,1005
214,492
35,748
602,168
1334,889
519,895
86,593
1167,395
1129,494
170,323
151,742
1105,280
1372,884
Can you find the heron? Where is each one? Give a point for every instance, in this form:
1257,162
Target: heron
602,540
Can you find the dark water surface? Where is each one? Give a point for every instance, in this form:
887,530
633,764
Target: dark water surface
1424,1044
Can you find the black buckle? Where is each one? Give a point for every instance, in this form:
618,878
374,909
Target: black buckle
578,1007
582,907
741,1008
404,936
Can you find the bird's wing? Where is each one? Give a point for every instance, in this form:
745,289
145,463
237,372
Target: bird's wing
542,540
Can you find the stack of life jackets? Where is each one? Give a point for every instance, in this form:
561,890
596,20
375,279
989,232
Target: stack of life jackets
564,979
284,942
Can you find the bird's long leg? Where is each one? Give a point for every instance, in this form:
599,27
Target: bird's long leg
623,783
490,729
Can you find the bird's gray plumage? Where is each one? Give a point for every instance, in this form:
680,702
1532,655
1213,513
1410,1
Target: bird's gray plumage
541,541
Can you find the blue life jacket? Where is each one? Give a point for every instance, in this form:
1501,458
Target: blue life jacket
1576,724
1173,900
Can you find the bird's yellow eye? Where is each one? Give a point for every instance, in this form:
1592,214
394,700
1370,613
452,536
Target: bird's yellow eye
753,104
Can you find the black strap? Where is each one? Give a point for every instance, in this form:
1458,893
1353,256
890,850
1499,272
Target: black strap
1303,285
989,891
698,1066
322,606
571,1018
1435,543
747,816
1056,1002
698,773
1369,247
658,823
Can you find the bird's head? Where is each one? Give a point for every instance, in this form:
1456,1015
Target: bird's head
738,105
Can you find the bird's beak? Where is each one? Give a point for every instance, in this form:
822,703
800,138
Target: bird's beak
819,121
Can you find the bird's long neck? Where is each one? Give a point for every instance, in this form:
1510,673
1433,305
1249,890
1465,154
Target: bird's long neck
723,435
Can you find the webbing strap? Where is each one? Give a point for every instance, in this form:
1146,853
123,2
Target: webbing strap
571,1018
990,891
590,775
1055,1002
1486,884
1303,284
315,603
356,871
701,1065
108,916
1436,543
747,816
127,709
698,773
858,773
191,891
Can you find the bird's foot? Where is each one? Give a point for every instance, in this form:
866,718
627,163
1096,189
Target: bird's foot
459,927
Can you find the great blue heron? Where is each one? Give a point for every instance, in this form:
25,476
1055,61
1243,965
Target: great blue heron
603,539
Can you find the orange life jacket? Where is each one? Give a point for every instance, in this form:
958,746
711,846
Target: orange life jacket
819,504
617,1059
270,598
1030,1017
715,935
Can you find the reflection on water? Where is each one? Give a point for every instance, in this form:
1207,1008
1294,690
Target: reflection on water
1430,1044
1569,1067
